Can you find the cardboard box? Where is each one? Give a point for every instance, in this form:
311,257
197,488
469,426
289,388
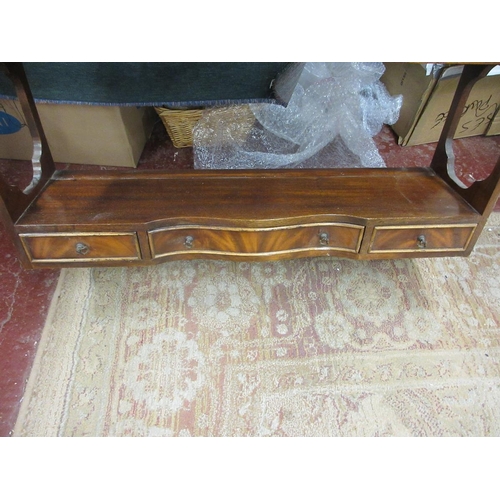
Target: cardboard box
427,94
89,135
494,127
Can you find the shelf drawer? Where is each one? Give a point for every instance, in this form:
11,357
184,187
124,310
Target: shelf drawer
423,238
81,247
255,242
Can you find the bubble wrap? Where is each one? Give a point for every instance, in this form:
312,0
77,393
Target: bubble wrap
333,114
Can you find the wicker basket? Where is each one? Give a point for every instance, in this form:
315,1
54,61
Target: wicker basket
179,124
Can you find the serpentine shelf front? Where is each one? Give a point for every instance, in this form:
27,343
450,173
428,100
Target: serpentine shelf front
145,217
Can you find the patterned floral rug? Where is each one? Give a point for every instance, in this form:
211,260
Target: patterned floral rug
310,347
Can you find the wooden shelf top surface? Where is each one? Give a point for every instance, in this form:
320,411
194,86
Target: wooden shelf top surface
255,198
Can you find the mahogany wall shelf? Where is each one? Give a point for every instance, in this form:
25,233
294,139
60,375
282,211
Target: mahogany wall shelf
67,219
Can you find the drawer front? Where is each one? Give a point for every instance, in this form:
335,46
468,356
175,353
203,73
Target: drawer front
255,241
421,238
81,247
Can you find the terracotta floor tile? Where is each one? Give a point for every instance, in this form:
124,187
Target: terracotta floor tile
24,300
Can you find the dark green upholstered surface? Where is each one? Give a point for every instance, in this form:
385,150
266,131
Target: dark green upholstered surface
156,84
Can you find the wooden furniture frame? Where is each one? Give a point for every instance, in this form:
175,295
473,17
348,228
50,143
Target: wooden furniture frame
117,218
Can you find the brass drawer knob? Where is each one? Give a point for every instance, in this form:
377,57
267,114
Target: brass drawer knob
324,239
421,241
82,248
189,242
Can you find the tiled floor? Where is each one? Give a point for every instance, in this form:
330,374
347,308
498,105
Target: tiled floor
25,295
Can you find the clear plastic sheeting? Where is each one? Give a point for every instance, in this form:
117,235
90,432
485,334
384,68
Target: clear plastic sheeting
335,111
